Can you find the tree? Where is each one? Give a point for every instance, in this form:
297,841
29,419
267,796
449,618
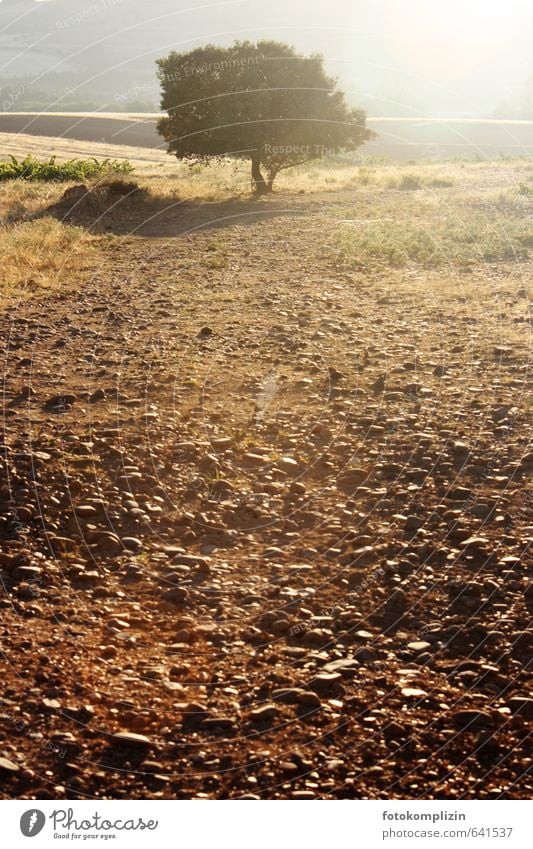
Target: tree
260,101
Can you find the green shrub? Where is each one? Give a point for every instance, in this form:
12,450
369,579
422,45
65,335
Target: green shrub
30,169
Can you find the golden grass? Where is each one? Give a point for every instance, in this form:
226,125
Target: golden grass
41,254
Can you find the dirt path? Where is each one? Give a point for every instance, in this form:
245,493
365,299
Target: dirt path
267,517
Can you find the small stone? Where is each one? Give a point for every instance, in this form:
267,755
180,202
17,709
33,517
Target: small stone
129,738
225,723
287,464
413,693
418,646
309,699
194,714
264,713
176,595
413,523
205,333
84,510
97,395
471,720
288,695
131,543
8,766
347,666
459,493
108,544
325,683
201,563
60,402
351,477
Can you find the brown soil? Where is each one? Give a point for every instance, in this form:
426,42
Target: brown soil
270,514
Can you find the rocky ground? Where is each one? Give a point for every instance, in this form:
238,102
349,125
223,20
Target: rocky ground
265,521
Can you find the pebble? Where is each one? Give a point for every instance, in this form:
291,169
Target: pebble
176,595
472,720
265,713
132,543
325,683
129,738
9,766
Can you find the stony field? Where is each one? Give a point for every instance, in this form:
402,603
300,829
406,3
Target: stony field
265,515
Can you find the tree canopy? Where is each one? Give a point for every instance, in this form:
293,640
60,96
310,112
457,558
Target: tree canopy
259,101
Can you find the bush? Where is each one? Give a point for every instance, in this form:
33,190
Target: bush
74,169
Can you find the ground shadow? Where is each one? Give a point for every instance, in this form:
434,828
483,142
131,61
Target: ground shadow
126,210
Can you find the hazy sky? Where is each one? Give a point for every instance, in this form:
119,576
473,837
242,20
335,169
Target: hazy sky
427,56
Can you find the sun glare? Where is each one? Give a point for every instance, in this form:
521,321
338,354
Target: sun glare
448,39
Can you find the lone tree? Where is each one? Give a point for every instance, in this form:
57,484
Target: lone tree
259,101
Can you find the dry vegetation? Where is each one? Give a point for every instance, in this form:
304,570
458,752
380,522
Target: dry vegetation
41,254
452,213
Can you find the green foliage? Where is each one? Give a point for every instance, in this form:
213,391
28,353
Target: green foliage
447,239
259,101
30,169
525,189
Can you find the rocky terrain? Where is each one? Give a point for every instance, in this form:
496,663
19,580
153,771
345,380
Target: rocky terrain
265,521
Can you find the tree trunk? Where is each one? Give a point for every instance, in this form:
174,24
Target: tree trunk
258,181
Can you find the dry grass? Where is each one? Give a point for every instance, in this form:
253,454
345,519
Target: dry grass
41,254
429,213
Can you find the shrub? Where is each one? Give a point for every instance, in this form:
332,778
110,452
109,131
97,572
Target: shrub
30,169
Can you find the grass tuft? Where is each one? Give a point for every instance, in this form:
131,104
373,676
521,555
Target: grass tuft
41,254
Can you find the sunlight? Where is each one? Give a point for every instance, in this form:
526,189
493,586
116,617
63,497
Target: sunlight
445,40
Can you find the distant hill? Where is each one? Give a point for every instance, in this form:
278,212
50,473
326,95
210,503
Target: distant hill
70,54
96,35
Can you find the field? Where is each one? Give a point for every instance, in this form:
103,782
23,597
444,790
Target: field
266,517
398,138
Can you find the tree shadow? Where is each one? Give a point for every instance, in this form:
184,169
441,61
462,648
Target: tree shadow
125,210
